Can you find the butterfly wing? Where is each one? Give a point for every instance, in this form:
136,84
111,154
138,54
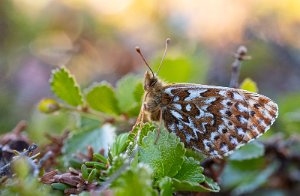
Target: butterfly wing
216,120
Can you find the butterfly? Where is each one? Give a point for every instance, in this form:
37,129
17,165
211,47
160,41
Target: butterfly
212,120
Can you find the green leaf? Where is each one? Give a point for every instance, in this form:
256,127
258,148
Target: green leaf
120,144
190,171
139,92
97,138
290,113
249,151
177,69
249,85
196,155
92,176
208,186
65,87
138,95
142,131
84,172
134,181
235,172
256,181
127,93
166,156
116,163
100,158
59,186
85,123
101,97
166,186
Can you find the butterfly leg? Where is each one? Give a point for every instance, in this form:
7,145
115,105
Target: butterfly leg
141,116
159,127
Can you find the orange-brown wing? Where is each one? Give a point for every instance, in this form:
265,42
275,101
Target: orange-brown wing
216,120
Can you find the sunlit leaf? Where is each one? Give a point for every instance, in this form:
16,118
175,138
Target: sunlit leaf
134,181
127,92
210,186
101,97
64,86
249,151
249,85
166,186
190,171
166,156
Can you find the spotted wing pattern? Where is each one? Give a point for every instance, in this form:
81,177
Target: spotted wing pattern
216,120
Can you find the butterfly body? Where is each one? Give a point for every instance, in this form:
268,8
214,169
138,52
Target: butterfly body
212,120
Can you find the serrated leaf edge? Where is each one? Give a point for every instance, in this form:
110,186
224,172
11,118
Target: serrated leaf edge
77,87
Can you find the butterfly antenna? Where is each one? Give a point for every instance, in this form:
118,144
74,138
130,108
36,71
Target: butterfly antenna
141,54
165,52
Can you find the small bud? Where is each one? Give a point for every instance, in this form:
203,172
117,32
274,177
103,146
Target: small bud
48,106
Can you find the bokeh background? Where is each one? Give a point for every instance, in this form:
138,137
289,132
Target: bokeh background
96,39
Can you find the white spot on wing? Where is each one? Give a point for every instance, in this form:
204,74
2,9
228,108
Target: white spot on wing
201,113
176,98
188,107
180,126
237,96
254,128
206,144
188,137
215,153
240,131
172,127
210,100
194,93
223,112
224,148
243,120
176,114
262,123
192,126
233,140
242,108
225,101
223,93
177,106
252,102
213,135
168,91
266,114
209,115
269,106
220,128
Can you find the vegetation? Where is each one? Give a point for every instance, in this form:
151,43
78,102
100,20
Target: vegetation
79,86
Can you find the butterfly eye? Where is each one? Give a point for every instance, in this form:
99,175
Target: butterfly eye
153,81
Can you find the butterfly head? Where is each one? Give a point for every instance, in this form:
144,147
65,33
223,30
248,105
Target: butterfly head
150,81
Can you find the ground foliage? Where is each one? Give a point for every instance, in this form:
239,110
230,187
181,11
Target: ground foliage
107,152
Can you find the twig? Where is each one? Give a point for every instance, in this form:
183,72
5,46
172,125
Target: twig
240,56
5,170
21,126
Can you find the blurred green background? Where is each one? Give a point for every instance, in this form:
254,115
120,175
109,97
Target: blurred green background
96,41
